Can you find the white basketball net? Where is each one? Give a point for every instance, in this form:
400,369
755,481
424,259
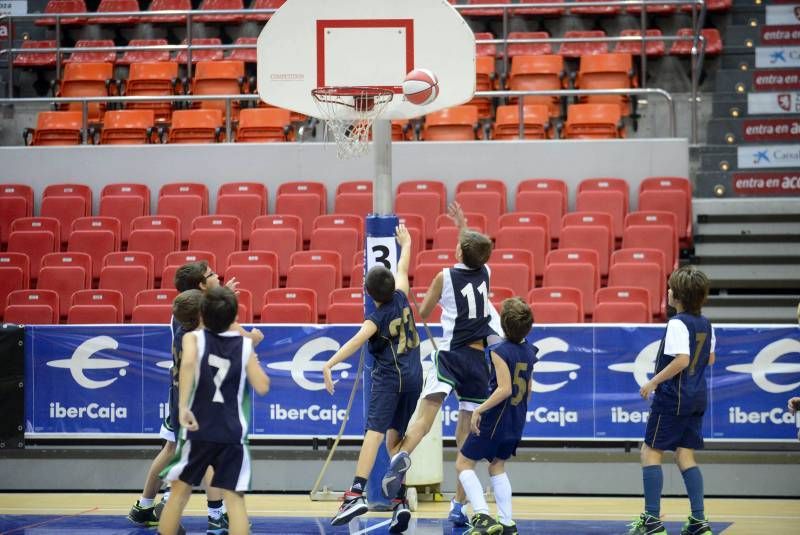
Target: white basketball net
349,113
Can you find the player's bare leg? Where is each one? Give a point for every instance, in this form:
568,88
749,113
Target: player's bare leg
171,516
462,432
237,513
369,450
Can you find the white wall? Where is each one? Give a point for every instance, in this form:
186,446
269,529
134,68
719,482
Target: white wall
275,163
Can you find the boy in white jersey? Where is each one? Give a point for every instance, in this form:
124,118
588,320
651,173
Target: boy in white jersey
468,319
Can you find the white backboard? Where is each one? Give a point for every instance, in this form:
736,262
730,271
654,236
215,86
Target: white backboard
314,43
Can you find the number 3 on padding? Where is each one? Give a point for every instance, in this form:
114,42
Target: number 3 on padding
381,253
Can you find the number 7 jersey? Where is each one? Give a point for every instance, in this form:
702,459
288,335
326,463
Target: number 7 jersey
220,400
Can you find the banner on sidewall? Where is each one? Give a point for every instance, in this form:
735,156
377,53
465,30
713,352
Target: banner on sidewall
111,381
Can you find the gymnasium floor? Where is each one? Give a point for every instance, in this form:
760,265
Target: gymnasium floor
104,514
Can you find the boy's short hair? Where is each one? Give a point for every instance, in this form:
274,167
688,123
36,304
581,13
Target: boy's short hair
190,276
186,309
219,309
516,319
690,286
380,284
476,248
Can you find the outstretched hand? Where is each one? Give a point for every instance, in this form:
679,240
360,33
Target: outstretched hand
402,235
455,213
233,285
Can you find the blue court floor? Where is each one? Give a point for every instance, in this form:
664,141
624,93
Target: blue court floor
115,525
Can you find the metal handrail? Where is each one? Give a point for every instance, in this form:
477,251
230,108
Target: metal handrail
229,99
697,52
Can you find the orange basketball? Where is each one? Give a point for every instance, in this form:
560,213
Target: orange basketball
421,87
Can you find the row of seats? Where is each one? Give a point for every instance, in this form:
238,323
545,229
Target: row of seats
111,6
623,304
307,200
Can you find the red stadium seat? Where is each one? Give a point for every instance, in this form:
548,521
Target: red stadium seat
14,275
622,304
128,272
263,4
417,294
96,307
426,273
485,49
713,42
540,11
546,196
654,217
521,281
529,231
66,202
156,297
247,55
290,305
183,207
320,258
255,278
593,10
607,184
638,254
659,237
660,9
65,274
426,186
93,57
168,5
186,189
246,200
151,314
443,257
179,258
336,221
280,234
556,305
608,202
642,275
116,6
218,221
346,306
157,235
578,49
34,60
529,49
575,268
487,12
125,202
256,258
342,240
34,237
38,307
357,276
16,200
201,54
589,230
426,204
675,200
306,200
489,203
220,241
60,7
652,48
214,5
245,312
96,236
132,57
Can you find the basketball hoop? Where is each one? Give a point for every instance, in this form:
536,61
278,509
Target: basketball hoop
349,113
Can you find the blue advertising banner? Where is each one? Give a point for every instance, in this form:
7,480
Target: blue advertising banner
111,381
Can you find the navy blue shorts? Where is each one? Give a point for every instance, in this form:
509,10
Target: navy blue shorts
390,410
478,447
670,431
231,462
464,370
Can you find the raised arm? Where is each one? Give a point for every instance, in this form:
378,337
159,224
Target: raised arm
186,381
368,328
500,393
457,215
256,375
432,296
404,240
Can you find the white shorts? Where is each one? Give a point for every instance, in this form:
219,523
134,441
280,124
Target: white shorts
166,434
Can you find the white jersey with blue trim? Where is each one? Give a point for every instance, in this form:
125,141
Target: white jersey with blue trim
467,312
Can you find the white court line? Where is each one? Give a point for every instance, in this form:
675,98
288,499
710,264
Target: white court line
376,526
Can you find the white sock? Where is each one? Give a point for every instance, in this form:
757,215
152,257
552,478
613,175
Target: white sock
166,494
224,509
502,496
472,486
146,502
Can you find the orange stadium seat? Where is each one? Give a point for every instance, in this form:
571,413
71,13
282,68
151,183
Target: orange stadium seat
147,79
607,71
196,126
529,49
66,202
93,57
585,48
536,122
652,48
65,273
622,304
16,200
129,127
290,305
14,275
38,307
55,128
214,5
223,77
200,54
60,7
594,121
87,80
35,60
95,307
95,236
117,6
459,123
264,124
538,73
131,57
556,304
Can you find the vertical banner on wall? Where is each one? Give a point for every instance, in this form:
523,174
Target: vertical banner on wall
10,7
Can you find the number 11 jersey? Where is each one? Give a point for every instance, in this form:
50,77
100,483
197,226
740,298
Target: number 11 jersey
467,312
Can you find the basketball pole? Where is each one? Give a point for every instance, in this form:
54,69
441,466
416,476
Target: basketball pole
380,228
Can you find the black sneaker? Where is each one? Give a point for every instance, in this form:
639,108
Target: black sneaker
696,526
143,516
353,505
646,524
393,479
401,515
218,526
483,524
159,508
510,530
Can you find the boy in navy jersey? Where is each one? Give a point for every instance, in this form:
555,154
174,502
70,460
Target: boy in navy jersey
217,363
396,380
468,320
676,414
497,423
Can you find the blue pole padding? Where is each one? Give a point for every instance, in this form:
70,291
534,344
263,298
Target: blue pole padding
380,248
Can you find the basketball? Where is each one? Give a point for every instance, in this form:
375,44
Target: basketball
421,87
